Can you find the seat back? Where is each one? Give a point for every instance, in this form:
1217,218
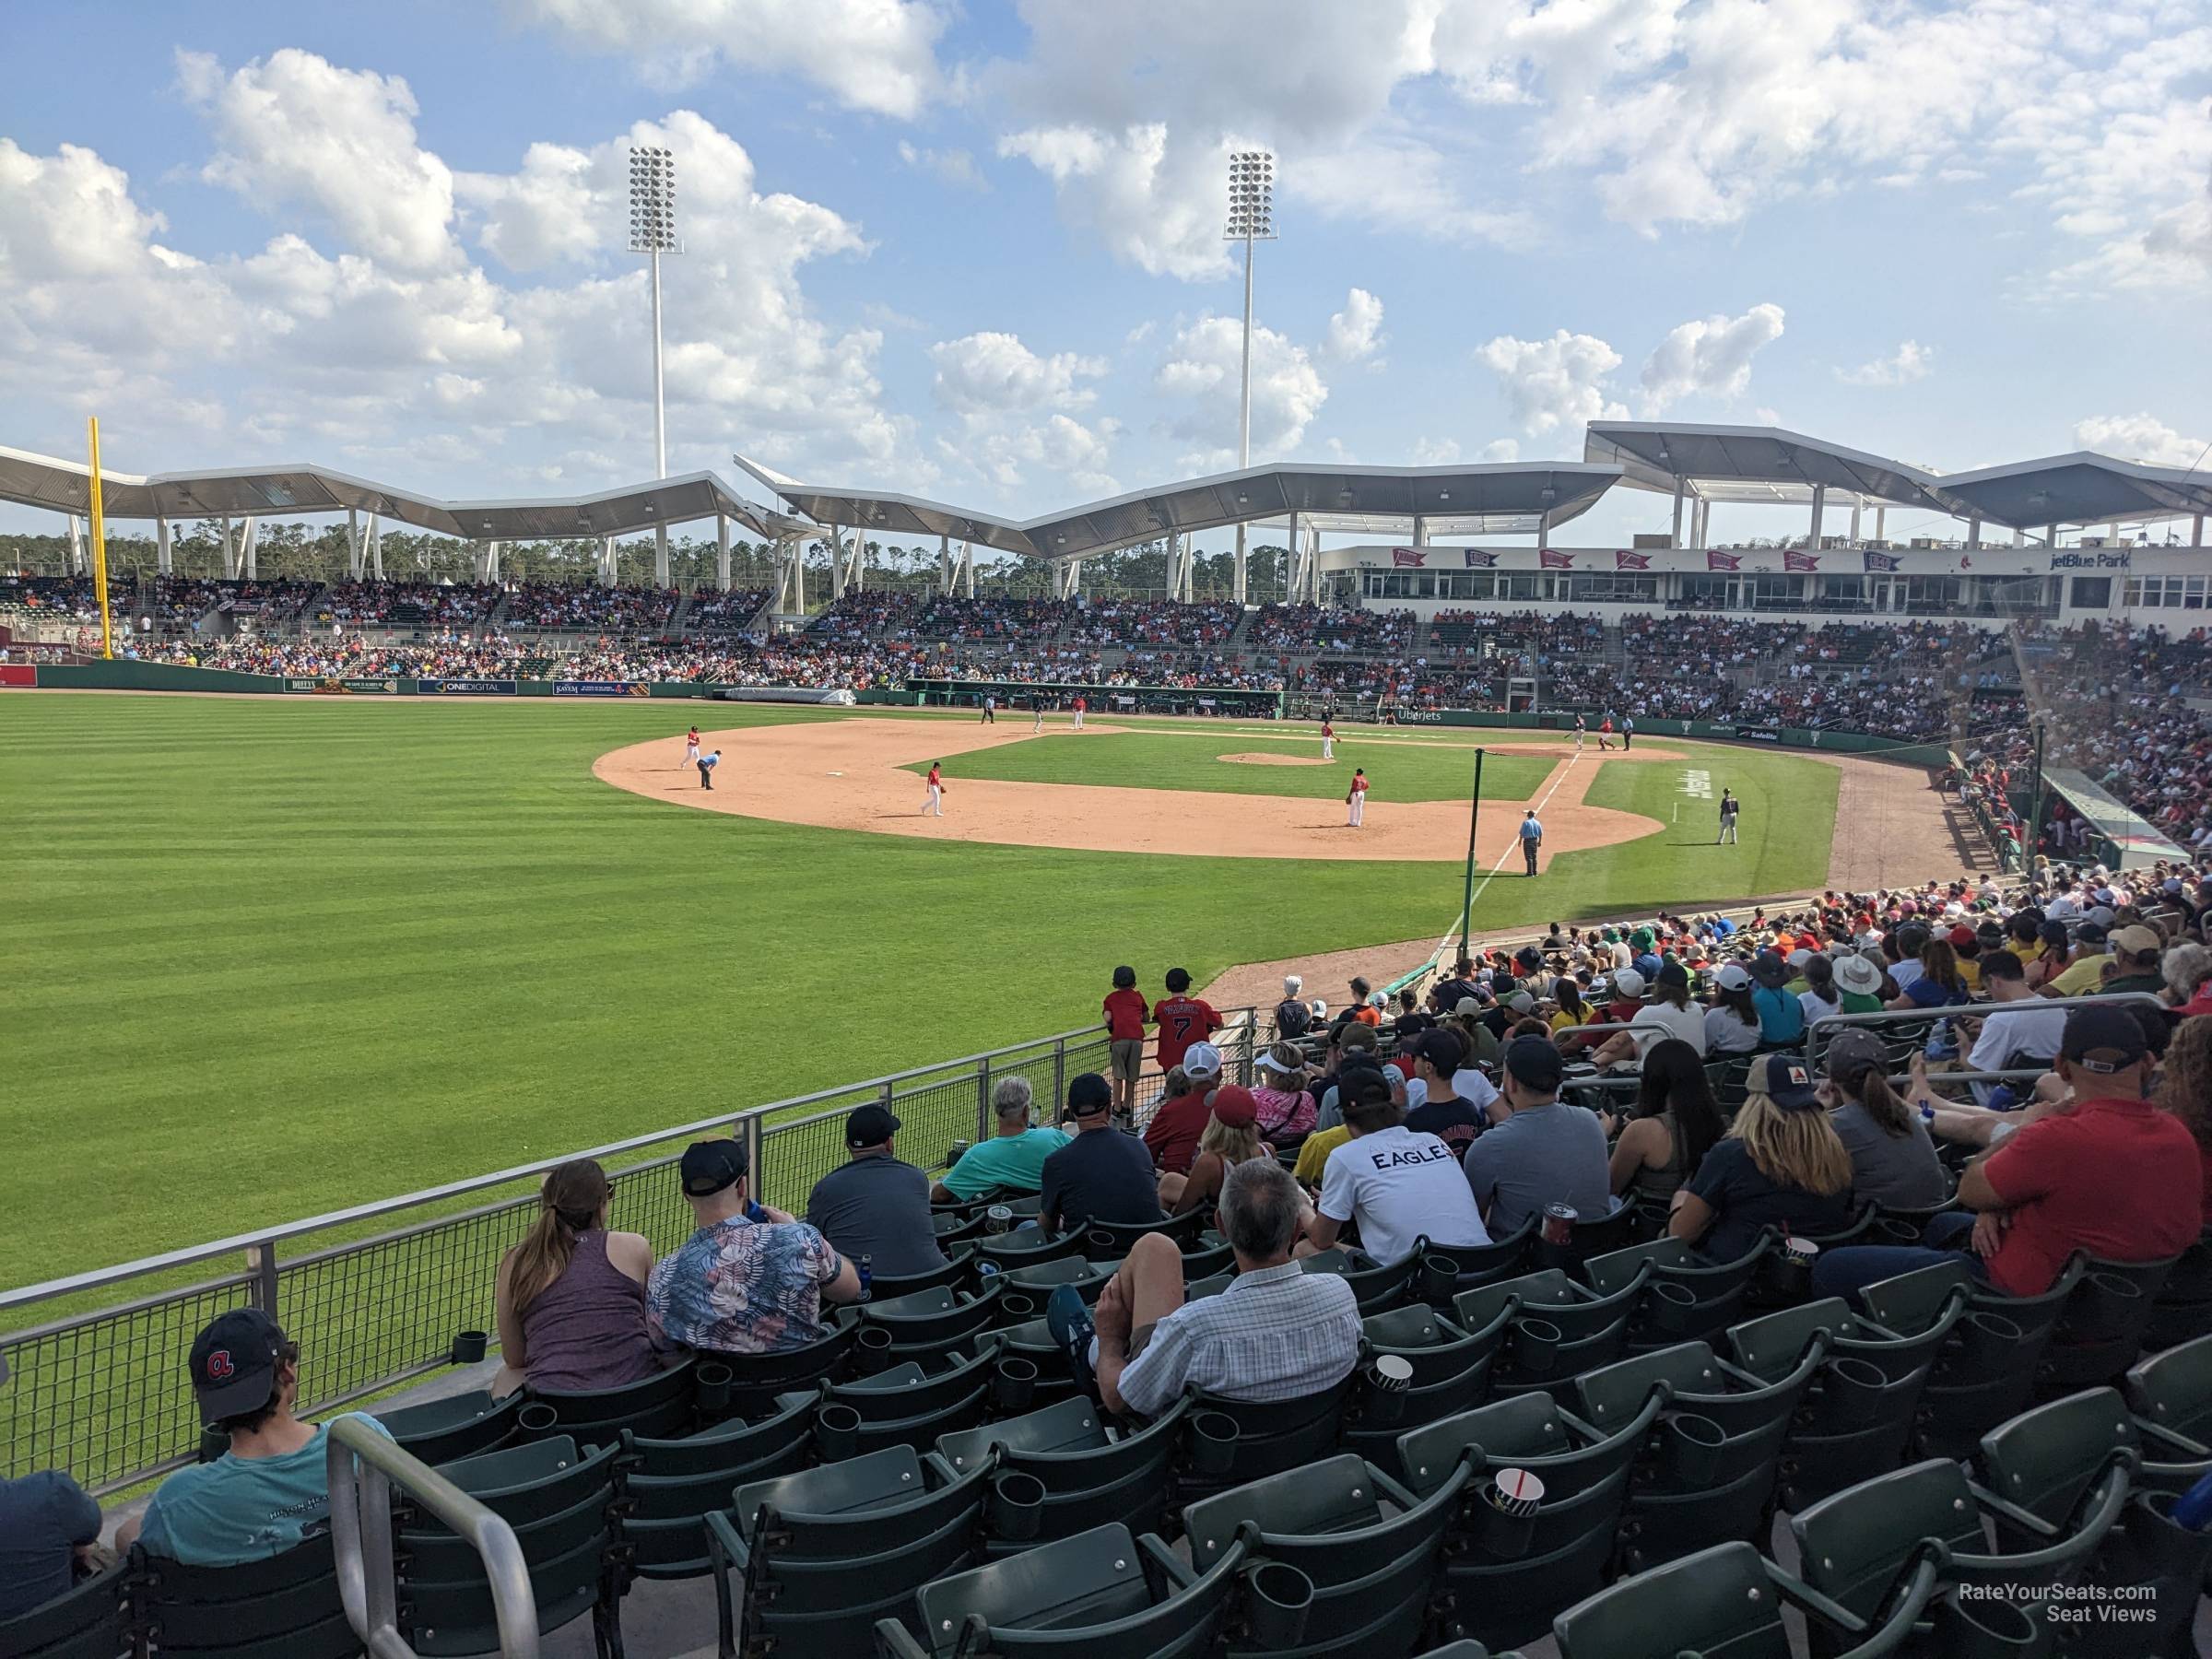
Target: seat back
1855,1545
658,1404
675,1482
85,1621
1438,1349
1719,1602
757,1379
2043,1460
932,1317
865,1506
1338,1520
441,1431
2172,1393
1071,1426
1279,1434
1474,1265
1103,1595
886,1286
285,1608
1118,1238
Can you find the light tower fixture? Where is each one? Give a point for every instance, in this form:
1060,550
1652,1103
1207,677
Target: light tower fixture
652,233
1251,219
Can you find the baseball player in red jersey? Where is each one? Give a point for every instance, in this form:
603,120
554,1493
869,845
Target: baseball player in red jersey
934,802
690,748
1328,739
1183,1019
1605,733
1355,799
1081,705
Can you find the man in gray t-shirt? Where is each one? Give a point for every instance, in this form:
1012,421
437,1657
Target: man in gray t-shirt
1536,1151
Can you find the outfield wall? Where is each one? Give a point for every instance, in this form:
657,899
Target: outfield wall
127,676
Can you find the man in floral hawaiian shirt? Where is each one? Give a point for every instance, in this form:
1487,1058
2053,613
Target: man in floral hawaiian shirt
752,1280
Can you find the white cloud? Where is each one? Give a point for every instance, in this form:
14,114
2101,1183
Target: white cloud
1435,451
991,373
1202,371
1154,205
1554,383
2139,437
295,131
1355,333
869,54
953,166
1911,361
1499,451
1709,357
1006,454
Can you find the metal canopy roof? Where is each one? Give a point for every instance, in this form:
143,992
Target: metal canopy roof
1752,464
1452,500
66,486
2080,488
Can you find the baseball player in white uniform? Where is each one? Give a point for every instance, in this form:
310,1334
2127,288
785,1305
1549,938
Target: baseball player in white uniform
1355,800
691,747
1581,725
933,804
1328,740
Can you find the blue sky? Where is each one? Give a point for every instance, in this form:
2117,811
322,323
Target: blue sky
974,253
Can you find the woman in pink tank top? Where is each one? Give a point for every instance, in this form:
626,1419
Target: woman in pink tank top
571,1295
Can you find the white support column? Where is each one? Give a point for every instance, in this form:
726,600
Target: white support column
798,575
1075,579
353,543
1973,532
376,546
860,562
967,570
488,561
1812,539
2196,531
1243,566
1293,571
1857,502
660,557
249,548
2111,534
945,566
1881,519
608,564
2019,536
1674,537
1700,523
229,549
1420,531
722,552
836,564
2049,535
163,549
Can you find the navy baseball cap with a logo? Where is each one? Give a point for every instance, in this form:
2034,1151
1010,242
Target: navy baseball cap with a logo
234,1363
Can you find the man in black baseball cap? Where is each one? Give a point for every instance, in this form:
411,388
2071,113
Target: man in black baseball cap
711,1166
270,1491
2108,1174
875,1209
1104,1173
1458,1095
1537,1151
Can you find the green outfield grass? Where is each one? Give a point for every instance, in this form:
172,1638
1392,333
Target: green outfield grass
1190,759
264,958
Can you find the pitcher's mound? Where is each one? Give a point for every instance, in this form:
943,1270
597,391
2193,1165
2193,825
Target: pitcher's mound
1267,759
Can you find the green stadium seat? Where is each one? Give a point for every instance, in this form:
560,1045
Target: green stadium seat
2185,1306
757,1379
959,1264
905,1406
285,1608
1103,1595
673,1483
460,1425
2170,1397
1473,1265
659,1404
1559,1328
1723,1601
1451,1374
1504,1592
1370,1547
86,1621
1115,1238
1266,1438
931,1318
1716,1290
1091,1474
819,1555
2102,1327
1986,1371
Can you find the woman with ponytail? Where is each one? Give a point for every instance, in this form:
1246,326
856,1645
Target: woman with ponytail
1892,1159
571,1295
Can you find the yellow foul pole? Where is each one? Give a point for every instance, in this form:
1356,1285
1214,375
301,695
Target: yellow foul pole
100,545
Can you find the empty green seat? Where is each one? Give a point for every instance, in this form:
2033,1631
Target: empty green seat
1369,1547
1724,1601
958,1265
1579,1328
1100,1595
933,1318
819,1555
439,1430
285,1608
903,1405
1092,1475
1716,1291
675,1482
1472,1267
1117,1237
1987,1371
1451,1374
2171,1396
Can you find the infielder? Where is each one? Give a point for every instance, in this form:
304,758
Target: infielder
1730,805
1038,725
1081,705
1328,739
691,747
1355,799
706,770
1581,725
934,802
1532,838
990,712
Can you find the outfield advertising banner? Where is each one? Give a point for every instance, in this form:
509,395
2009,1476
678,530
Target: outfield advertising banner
1743,734
601,688
378,687
465,688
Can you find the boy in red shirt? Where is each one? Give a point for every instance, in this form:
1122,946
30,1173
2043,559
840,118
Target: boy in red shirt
1183,1019
1125,1008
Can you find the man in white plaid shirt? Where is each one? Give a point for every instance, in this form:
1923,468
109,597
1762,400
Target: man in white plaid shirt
1276,1332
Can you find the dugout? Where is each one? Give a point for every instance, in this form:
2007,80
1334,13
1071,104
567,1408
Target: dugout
1018,696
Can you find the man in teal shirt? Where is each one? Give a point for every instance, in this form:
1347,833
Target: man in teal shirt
1011,1160
270,1491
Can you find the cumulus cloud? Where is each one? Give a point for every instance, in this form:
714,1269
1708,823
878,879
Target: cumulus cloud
869,54
1008,455
1202,373
2139,437
1911,361
1435,451
1709,357
1556,382
952,165
1355,333
990,372
294,130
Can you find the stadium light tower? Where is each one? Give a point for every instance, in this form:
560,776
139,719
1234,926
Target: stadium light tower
652,233
1251,219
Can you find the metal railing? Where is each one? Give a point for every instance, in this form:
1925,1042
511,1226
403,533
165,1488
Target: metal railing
99,1387
361,1535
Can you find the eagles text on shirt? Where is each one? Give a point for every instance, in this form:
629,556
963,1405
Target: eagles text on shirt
1397,1159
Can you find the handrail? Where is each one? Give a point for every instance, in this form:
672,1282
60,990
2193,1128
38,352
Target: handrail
238,1242
360,1519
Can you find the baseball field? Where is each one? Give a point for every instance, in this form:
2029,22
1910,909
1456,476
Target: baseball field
266,957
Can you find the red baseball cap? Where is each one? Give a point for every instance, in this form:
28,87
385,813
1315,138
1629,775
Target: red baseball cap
1233,1104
